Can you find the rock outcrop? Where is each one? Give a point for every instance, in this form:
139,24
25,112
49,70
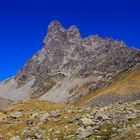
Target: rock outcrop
69,66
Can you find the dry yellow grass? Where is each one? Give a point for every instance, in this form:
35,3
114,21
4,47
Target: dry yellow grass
27,107
37,105
128,83
1,115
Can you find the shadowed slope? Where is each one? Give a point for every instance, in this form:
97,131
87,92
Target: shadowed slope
127,85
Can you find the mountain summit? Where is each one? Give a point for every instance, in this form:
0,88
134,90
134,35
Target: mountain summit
69,67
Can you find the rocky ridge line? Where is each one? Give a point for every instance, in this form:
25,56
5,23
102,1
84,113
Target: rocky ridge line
69,66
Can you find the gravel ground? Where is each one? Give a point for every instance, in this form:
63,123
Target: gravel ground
113,98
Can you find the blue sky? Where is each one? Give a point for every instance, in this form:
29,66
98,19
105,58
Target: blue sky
23,25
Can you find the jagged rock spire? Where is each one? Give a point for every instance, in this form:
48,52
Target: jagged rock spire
57,32
55,26
54,31
73,31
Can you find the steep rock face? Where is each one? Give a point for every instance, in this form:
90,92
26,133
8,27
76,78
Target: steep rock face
69,66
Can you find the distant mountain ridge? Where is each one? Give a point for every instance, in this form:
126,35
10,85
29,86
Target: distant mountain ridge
68,66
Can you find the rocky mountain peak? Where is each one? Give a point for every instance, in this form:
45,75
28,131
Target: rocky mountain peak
67,61
73,30
54,26
98,77
58,34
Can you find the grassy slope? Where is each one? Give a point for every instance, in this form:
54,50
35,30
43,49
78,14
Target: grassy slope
35,106
12,127
126,84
